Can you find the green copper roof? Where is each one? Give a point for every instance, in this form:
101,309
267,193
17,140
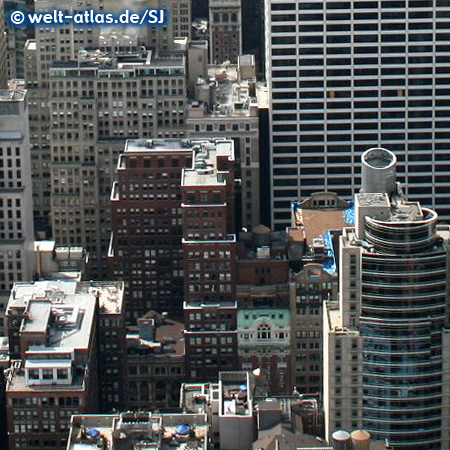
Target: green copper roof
278,316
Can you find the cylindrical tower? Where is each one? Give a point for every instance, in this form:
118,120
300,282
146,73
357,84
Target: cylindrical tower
378,171
403,301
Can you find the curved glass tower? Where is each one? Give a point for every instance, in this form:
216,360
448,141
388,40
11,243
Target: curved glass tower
403,301
395,264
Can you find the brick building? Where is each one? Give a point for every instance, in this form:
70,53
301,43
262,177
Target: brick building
56,376
54,328
154,363
145,249
209,246
264,259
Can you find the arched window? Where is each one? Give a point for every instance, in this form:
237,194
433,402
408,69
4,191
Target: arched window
264,332
234,17
216,17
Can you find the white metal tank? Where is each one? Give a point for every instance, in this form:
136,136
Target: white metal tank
341,440
378,171
360,440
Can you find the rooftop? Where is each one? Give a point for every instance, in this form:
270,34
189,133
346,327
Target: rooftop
17,380
262,244
198,304
9,95
161,334
235,394
196,397
156,145
67,292
204,171
318,219
136,431
134,61
233,97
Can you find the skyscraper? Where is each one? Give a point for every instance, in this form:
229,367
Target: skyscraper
105,100
146,249
387,346
63,44
345,76
16,213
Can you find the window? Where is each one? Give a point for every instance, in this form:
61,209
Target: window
264,332
62,374
47,374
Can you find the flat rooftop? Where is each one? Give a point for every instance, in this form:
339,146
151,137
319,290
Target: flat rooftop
139,430
317,221
38,317
110,293
198,304
156,145
204,171
235,394
17,382
9,95
196,397
63,309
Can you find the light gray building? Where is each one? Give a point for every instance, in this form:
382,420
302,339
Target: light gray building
97,102
227,104
62,44
387,342
16,212
346,76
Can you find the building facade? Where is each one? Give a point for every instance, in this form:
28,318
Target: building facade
347,76
225,104
386,347
53,333
209,249
154,363
146,248
63,44
264,336
135,96
16,217
225,31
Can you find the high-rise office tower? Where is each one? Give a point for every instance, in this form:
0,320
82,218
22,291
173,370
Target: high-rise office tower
16,212
62,44
52,43
106,99
387,345
345,76
16,38
225,31
237,118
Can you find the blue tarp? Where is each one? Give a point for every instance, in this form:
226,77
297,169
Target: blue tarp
349,214
92,432
182,430
330,264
